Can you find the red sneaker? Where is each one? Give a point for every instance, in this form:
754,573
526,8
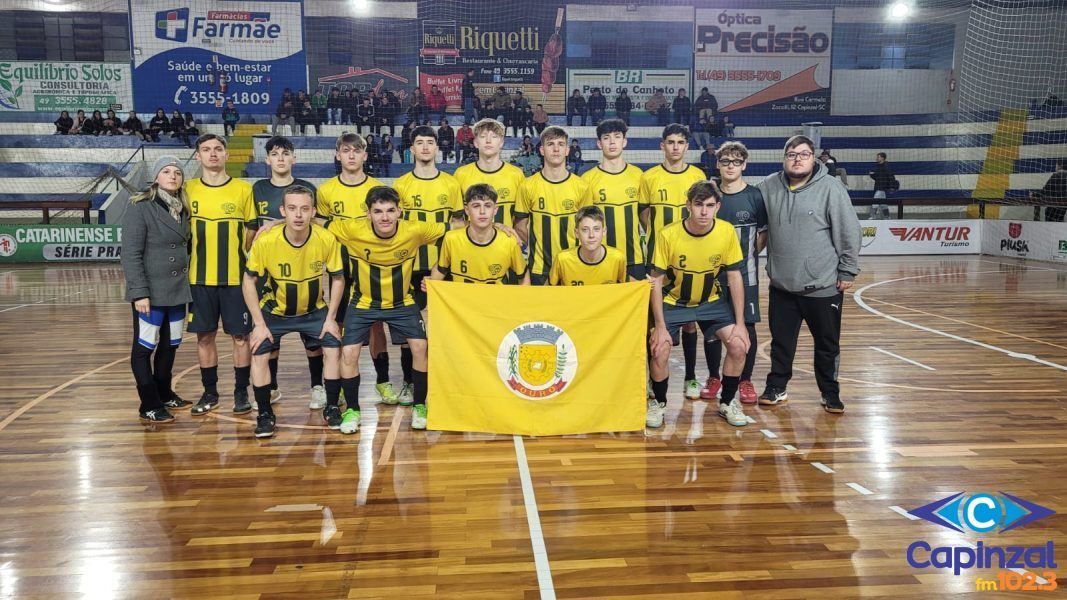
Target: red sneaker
711,389
748,392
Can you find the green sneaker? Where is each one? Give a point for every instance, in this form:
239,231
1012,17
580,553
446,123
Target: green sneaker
387,393
350,421
692,389
407,394
418,417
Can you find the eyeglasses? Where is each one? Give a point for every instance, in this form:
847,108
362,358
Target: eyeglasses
799,155
731,163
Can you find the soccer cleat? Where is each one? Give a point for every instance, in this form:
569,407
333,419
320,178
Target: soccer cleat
654,414
833,404
318,397
264,425
692,389
387,393
711,389
208,402
332,416
772,396
407,394
747,392
176,402
241,404
159,415
350,421
733,414
418,416
275,395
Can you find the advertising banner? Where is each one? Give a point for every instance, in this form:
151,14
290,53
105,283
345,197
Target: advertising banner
518,45
378,67
64,243
53,86
921,237
765,60
639,84
195,55
1039,240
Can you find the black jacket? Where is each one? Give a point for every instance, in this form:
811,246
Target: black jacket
883,177
623,103
598,102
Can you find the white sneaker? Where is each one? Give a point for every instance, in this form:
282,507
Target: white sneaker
733,413
318,398
654,414
692,389
418,416
649,391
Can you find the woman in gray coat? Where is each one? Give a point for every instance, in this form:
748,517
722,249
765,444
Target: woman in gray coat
155,259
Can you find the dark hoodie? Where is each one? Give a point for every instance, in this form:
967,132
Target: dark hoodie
813,235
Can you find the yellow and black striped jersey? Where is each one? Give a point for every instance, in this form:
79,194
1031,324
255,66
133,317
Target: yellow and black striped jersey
219,216
664,193
691,262
617,194
470,262
570,268
550,206
294,273
505,180
338,200
433,200
383,265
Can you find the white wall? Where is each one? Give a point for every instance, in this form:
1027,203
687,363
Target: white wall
890,92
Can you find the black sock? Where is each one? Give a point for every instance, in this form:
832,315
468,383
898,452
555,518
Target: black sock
315,367
241,376
713,355
333,392
405,363
689,350
381,368
729,387
351,388
209,377
272,364
659,389
419,379
750,358
262,394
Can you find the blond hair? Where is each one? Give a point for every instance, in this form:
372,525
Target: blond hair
153,191
488,125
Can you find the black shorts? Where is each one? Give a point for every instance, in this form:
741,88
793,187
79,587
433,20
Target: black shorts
710,317
536,279
212,302
416,290
638,272
309,326
405,323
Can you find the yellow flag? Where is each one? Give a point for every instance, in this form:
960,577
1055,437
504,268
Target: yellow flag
537,360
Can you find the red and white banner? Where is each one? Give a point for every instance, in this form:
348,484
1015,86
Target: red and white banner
1038,240
921,237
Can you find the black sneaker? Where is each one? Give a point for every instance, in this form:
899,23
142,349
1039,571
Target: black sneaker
159,415
332,416
772,396
241,405
833,404
265,425
208,402
176,402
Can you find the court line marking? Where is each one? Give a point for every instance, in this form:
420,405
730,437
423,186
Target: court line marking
900,511
390,438
770,434
41,302
859,488
822,467
41,398
858,297
790,447
533,520
907,360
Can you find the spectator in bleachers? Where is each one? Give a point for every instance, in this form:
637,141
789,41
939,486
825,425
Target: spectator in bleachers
829,162
884,181
502,106
708,160
706,105
192,129
405,140
598,105
1055,192
624,105
385,154
701,133
373,149
683,108
446,140
284,115
79,123
301,97
435,104
159,124
539,117
334,107
390,110
488,107
574,158
464,143
318,102
94,125
658,106
477,107
520,113
366,116
135,127
726,127
177,126
467,95
576,107
527,157
63,123
230,117
307,115
417,106
351,106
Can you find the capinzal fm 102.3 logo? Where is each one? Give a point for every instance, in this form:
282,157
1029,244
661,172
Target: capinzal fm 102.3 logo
987,513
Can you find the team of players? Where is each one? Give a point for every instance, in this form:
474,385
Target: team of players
377,244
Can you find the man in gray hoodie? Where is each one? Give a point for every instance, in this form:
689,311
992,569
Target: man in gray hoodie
813,244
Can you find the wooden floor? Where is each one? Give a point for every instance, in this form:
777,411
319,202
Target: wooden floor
799,504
